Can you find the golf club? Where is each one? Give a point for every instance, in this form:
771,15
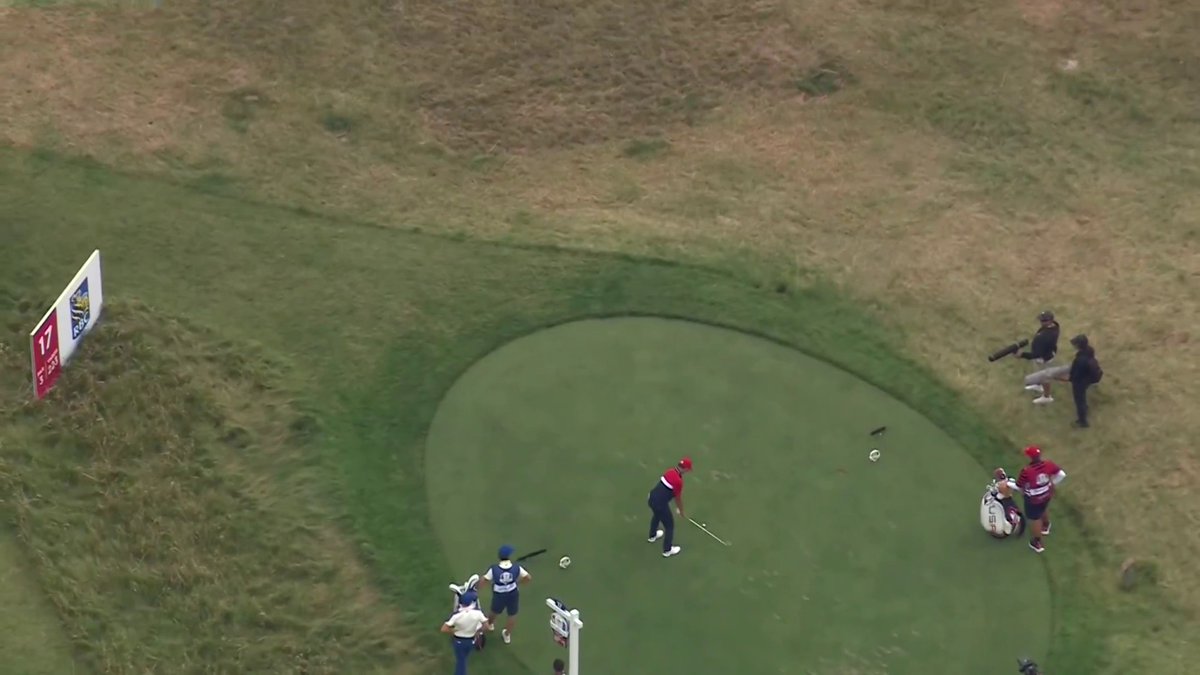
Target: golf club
709,533
531,554
459,591
876,434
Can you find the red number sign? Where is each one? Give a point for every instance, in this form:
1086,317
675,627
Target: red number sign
47,364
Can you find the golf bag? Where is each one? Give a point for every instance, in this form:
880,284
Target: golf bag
460,590
999,515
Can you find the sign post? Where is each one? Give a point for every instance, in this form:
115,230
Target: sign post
565,626
63,326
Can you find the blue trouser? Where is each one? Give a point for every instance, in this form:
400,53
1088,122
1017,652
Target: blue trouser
462,649
661,515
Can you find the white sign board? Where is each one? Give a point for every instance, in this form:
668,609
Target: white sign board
60,331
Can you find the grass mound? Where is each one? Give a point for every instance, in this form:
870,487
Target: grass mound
164,493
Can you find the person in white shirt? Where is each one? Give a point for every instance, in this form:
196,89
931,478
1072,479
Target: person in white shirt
463,626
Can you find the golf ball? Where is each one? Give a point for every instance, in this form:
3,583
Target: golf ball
873,455
703,524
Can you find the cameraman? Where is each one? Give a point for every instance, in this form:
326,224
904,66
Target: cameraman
1085,371
1042,349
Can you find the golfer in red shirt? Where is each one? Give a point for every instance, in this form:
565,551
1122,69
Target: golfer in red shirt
669,486
1037,481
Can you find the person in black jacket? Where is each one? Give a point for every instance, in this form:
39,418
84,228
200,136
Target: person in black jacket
1042,349
1085,371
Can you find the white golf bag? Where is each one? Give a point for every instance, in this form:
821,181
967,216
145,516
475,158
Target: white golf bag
999,515
460,590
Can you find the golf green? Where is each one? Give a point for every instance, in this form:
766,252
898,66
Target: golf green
836,564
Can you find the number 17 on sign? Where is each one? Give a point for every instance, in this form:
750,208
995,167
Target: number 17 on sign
47,362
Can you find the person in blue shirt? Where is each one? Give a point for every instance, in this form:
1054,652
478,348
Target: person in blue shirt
505,578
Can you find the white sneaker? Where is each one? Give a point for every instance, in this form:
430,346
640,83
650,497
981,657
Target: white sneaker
674,551
1033,387
507,636
1043,400
656,537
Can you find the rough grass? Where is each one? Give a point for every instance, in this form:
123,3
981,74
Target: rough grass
964,179
435,305
177,527
31,636
512,75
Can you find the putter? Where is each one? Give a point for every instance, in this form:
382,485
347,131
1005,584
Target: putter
709,533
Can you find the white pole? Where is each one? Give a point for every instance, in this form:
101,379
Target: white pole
573,646
573,625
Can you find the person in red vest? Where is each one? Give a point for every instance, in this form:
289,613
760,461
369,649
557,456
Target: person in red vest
668,487
1037,482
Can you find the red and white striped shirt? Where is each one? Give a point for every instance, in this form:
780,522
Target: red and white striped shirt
673,479
1037,480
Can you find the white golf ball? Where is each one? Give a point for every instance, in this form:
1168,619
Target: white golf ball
564,562
873,455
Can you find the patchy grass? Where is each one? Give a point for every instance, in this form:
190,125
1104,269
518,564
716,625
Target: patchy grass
254,273
31,636
965,180
521,75
645,148
825,79
164,492
243,107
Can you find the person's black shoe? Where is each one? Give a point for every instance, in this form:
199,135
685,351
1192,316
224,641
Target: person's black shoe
1080,425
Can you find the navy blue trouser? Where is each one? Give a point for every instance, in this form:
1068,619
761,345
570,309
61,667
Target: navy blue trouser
661,515
1079,392
462,649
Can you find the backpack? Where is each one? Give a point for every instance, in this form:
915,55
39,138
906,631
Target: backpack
1097,371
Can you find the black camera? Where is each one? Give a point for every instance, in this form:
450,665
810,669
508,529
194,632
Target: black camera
1028,667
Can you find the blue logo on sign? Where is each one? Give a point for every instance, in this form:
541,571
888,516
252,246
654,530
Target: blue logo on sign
81,310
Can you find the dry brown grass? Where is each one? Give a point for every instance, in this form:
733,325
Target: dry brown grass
512,75
961,184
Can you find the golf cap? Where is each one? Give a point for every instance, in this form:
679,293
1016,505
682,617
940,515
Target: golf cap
468,598
1046,315
506,552
1033,452
686,463
1079,341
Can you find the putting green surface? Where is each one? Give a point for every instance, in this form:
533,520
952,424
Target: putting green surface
837,565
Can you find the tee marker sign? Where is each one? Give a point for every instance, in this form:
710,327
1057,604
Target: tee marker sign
62,328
